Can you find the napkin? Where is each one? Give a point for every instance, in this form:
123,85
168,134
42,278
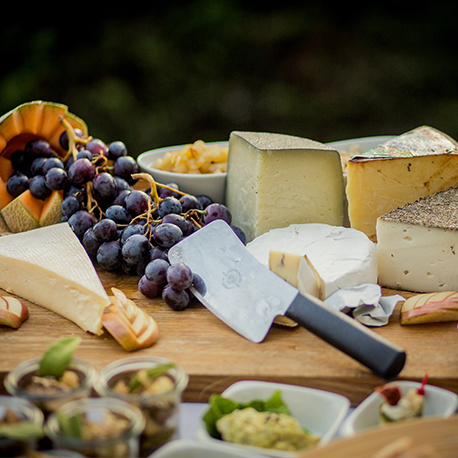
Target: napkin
365,303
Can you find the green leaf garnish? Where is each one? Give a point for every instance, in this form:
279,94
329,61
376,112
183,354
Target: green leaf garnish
220,406
71,426
135,383
57,357
24,430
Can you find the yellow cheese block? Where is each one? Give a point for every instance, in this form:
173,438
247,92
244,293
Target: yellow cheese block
416,164
274,180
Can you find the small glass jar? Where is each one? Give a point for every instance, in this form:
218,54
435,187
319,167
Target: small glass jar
114,427
161,410
24,411
19,378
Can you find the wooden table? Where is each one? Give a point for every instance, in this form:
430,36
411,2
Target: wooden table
214,356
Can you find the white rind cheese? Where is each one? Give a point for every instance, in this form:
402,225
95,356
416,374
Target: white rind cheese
50,267
413,165
417,247
343,257
274,180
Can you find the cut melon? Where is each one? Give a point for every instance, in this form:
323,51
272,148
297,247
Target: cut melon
26,212
6,168
5,196
36,120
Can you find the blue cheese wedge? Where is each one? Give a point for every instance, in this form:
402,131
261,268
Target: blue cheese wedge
50,267
341,257
274,180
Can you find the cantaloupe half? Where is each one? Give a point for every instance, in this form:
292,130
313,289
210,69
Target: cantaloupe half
26,212
36,120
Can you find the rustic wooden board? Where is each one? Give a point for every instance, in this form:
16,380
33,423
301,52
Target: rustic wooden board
215,356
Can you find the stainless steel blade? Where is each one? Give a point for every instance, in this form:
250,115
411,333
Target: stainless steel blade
240,290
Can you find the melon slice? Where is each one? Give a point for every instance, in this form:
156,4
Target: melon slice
33,120
5,196
23,213
51,212
6,168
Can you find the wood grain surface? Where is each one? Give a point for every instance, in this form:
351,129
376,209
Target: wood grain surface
214,356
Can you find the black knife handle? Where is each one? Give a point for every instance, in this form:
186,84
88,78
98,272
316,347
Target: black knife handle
346,334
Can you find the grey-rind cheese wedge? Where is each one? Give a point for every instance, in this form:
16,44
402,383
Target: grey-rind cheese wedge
417,247
274,180
50,267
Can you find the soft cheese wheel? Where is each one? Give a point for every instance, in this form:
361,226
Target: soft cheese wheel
417,247
274,180
50,267
342,257
414,165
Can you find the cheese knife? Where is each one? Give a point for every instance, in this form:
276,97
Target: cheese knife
247,296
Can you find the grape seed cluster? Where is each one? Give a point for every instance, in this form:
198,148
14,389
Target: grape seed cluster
123,228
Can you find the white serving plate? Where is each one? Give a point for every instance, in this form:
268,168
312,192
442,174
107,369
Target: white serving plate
194,449
364,144
439,402
212,185
321,412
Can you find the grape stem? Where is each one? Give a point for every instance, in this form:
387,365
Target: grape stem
72,139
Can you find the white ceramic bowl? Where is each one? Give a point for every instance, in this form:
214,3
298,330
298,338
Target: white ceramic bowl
212,185
439,402
321,412
195,449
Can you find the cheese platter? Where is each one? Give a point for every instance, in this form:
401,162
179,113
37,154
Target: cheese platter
211,353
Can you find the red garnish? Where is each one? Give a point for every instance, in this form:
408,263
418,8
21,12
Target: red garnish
421,390
392,394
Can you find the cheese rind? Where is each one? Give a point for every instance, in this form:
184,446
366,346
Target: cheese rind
343,257
274,180
416,164
417,247
49,266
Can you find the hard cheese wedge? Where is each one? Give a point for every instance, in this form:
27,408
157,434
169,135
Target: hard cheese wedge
275,180
49,266
343,257
414,165
417,247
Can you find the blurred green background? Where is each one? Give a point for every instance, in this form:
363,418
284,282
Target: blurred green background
180,71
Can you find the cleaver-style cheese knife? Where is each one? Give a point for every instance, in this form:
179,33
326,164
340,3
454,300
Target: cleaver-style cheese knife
247,296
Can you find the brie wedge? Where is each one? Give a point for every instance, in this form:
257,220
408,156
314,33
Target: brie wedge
342,257
50,267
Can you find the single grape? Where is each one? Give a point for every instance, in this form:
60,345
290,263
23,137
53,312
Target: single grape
148,288
97,147
199,284
124,167
17,184
116,149
84,154
158,252
105,230
38,148
63,138
169,205
217,211
81,171
109,255
104,187
167,234
177,300
80,222
179,276
204,200
90,244
36,168
189,202
163,192
137,202
38,187
240,234
118,214
120,198
76,191
122,184
136,249
156,271
56,178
